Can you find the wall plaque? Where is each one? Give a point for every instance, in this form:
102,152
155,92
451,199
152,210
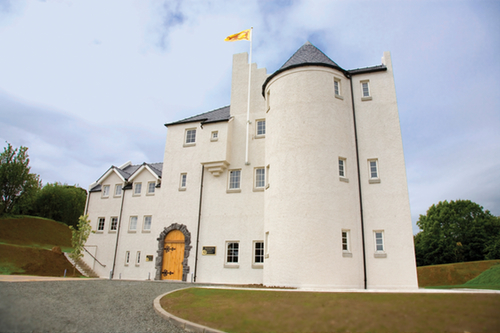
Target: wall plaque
208,251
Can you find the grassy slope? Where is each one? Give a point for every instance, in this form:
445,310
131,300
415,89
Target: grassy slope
452,274
278,311
25,244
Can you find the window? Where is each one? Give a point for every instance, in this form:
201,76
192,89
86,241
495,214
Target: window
183,182
105,191
127,258
190,138
100,224
215,136
345,241
258,252
138,258
268,169
342,167
260,178
133,224
337,88
151,188
268,100
365,91
261,128
266,247
114,224
147,223
373,172
118,190
379,241
232,252
137,188
234,179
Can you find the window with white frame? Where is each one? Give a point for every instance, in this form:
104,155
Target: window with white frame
337,88
266,245
114,224
379,240
137,188
118,190
373,171
100,223
127,257
342,165
258,252
365,90
190,137
105,191
133,223
147,223
151,188
345,241
183,182
138,258
260,178
214,136
232,252
234,179
260,128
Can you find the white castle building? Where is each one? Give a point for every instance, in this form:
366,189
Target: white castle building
306,189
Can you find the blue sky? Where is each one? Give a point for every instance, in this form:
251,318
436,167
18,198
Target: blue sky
89,84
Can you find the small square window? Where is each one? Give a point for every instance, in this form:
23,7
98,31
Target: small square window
234,179
190,138
151,188
147,223
183,182
133,223
100,224
118,190
105,191
261,128
137,188
114,224
260,178
215,136
127,258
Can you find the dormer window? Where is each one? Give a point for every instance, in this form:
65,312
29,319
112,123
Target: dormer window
105,191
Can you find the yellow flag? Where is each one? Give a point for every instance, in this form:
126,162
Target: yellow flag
244,35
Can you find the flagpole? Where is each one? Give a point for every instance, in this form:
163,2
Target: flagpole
248,100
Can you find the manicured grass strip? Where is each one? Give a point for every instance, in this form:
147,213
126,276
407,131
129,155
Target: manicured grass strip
452,274
286,311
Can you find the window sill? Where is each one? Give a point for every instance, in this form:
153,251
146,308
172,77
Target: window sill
266,256
258,189
231,266
146,231
343,179
213,140
112,232
339,97
258,266
132,231
117,196
182,188
99,231
374,181
380,255
233,190
136,195
189,144
260,136
105,197
347,254
368,98
150,194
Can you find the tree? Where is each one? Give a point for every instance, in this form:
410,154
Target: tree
17,185
79,237
63,203
456,231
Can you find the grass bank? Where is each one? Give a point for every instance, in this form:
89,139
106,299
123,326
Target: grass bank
26,245
452,274
286,311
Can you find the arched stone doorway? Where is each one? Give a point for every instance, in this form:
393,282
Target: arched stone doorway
174,245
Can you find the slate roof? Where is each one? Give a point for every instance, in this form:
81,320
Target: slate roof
129,170
221,114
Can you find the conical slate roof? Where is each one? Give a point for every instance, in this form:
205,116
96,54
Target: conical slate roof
308,54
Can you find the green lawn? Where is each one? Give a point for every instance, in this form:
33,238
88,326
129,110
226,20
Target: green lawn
288,311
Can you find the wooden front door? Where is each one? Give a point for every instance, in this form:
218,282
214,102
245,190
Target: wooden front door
173,256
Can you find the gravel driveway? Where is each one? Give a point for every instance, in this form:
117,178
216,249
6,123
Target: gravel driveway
83,306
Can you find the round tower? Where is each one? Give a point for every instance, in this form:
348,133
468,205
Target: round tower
312,214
